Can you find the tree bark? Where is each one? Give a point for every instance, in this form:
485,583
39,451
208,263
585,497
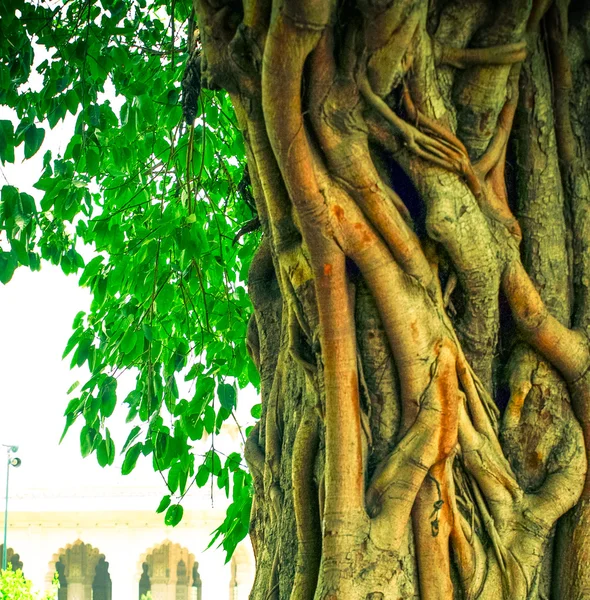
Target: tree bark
421,293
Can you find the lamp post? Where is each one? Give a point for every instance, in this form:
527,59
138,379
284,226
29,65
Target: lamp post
12,461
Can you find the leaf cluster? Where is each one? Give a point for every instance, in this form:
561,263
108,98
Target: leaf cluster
14,586
157,204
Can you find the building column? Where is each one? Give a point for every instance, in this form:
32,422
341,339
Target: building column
161,591
182,591
79,590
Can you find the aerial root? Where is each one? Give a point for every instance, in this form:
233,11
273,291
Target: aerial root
273,448
463,58
441,148
447,138
467,546
306,506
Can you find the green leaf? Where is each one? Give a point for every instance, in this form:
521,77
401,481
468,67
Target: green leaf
213,462
21,251
87,436
202,476
172,98
70,418
131,437
81,354
72,101
91,269
8,264
108,396
128,341
6,141
34,137
102,454
78,319
174,515
227,396
92,162
164,504
110,447
174,477
131,457
74,406
209,419
147,332
233,461
73,387
72,343
94,115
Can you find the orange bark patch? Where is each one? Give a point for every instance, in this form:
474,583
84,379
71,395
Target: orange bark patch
327,269
366,237
338,212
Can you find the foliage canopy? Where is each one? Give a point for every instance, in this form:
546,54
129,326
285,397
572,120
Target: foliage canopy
14,586
158,202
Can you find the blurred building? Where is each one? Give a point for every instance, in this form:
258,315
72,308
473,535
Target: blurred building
108,543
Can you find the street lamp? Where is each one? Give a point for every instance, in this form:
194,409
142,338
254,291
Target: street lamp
12,461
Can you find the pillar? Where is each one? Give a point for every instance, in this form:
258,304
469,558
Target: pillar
79,590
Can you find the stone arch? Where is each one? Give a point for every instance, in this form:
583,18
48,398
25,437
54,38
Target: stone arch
12,558
164,571
82,571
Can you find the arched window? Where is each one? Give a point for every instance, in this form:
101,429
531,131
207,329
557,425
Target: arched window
12,558
102,587
144,581
182,582
60,567
196,588
83,573
166,570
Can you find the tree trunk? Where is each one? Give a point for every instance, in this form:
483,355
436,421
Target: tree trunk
421,293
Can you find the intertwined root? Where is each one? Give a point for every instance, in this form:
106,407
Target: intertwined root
315,119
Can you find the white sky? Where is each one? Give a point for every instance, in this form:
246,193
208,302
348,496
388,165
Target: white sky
36,312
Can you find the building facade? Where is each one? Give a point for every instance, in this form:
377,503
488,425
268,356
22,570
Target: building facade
109,544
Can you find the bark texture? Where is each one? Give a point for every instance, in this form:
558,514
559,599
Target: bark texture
421,294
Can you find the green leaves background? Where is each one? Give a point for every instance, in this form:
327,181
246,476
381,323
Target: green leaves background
157,203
